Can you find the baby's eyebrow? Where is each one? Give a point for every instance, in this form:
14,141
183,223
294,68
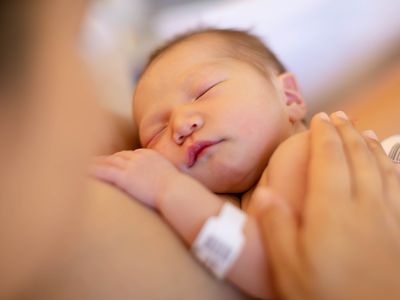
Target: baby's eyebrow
189,83
192,79
145,125
148,121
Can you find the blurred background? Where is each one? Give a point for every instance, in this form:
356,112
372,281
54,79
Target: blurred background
346,54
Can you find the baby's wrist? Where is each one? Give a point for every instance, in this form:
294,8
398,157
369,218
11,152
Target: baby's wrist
172,182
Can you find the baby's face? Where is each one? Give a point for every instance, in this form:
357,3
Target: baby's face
215,118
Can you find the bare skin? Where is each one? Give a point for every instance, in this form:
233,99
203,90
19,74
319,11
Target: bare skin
186,204
112,259
208,98
61,236
347,245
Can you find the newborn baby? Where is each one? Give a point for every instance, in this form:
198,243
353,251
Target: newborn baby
212,107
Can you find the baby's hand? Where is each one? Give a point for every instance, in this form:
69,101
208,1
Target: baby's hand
142,173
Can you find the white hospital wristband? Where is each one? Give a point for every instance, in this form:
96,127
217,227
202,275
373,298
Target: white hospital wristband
221,240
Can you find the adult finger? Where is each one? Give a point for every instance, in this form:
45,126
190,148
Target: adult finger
366,176
280,235
329,181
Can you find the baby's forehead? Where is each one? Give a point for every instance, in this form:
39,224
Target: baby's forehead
201,71
190,54
157,83
182,66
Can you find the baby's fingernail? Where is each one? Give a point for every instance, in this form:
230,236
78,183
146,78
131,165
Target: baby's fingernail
324,116
370,134
342,115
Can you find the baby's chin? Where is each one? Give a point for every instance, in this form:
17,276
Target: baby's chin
228,183
226,174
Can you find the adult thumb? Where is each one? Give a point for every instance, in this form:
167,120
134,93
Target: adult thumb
280,234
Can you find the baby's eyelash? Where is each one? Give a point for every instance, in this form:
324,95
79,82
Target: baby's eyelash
156,135
207,90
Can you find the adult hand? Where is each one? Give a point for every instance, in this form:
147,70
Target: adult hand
142,173
347,244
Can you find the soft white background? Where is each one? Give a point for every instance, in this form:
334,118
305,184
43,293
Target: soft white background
328,44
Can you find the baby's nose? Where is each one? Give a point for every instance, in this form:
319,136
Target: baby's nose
186,129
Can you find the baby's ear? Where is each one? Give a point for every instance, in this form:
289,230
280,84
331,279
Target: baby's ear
293,98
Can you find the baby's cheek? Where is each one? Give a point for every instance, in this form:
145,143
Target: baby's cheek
164,148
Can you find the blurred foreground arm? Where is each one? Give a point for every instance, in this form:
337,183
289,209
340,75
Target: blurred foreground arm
117,133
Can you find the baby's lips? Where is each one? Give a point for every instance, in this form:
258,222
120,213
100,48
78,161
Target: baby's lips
195,149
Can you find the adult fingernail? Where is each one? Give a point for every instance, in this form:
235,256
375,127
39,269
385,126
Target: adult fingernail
370,134
342,115
324,116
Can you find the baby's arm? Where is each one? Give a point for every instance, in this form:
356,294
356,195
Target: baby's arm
186,205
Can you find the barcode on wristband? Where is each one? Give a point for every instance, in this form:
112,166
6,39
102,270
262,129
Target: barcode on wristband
220,241
217,247
218,252
394,153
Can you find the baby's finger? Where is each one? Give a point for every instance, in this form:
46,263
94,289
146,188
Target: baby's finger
329,182
109,160
106,173
126,155
116,161
367,180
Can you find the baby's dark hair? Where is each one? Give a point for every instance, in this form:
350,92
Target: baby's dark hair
240,45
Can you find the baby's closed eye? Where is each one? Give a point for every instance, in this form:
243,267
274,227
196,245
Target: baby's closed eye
155,136
205,90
